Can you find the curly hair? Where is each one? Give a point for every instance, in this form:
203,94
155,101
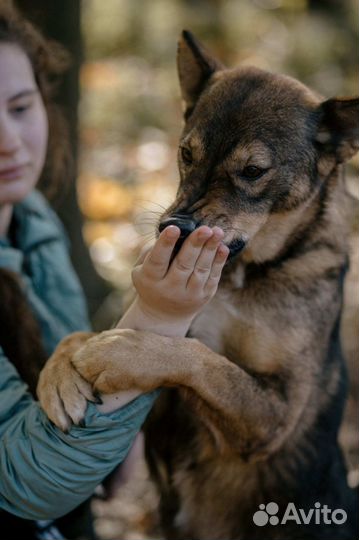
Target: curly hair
49,60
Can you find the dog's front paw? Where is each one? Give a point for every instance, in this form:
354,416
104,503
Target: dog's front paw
61,390
121,359
105,361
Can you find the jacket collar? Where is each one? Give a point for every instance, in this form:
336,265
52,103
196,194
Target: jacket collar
36,223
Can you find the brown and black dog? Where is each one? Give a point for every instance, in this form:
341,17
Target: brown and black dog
256,392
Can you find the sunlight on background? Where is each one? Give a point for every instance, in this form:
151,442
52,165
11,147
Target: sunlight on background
130,116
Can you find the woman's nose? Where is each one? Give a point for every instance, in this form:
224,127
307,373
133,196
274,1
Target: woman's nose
10,140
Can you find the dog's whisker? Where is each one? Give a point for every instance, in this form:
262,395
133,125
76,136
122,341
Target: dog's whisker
147,217
152,212
150,234
147,241
151,203
145,222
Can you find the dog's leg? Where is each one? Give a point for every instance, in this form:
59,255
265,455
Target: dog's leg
249,413
62,392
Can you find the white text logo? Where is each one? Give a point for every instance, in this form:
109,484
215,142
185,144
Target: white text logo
267,513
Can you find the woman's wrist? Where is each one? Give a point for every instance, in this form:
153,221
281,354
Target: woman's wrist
138,317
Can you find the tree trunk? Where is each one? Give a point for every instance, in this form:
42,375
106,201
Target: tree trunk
60,20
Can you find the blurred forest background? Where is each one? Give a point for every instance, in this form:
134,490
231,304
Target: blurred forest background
123,102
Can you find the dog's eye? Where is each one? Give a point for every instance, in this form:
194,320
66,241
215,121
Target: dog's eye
186,156
252,172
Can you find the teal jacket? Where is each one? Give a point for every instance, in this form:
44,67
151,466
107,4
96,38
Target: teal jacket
45,473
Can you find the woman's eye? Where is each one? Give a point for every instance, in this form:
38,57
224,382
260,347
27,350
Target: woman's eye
186,155
19,109
252,172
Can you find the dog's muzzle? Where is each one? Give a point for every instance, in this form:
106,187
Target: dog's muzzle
187,226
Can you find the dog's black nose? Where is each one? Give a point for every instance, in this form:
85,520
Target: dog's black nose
184,223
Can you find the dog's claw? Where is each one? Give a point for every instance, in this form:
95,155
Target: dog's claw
98,400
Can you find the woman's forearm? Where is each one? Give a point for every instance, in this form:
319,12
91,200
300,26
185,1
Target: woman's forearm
45,473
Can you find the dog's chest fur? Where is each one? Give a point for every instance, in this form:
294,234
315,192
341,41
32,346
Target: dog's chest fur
219,315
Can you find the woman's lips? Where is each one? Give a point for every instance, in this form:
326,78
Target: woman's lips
12,173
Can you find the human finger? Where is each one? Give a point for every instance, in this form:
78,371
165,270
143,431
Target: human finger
216,270
205,260
157,261
183,264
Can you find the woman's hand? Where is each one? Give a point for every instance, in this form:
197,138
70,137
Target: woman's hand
171,293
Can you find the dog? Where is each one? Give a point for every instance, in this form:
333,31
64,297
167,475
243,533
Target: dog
255,393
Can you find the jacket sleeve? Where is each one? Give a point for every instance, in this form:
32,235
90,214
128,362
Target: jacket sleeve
45,473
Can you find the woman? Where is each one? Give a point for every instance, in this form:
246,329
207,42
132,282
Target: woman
45,473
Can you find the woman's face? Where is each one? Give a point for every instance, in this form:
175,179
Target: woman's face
23,126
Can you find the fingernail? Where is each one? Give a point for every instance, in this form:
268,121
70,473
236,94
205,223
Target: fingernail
205,233
218,232
172,231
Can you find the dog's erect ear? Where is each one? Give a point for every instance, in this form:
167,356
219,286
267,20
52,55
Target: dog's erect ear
195,66
338,132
